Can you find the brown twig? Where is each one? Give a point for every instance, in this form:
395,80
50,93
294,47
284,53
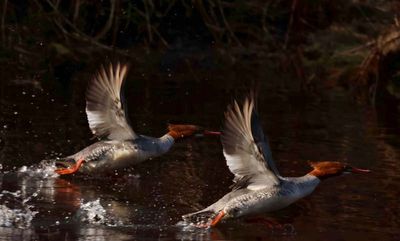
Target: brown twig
161,37
371,69
79,35
356,49
148,21
3,19
24,51
267,33
151,28
76,11
116,22
227,26
109,22
170,5
62,29
293,10
57,3
210,23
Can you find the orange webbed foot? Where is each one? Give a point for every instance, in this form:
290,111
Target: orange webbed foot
213,222
217,219
71,170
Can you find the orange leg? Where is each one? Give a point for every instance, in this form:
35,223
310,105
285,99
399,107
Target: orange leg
217,219
73,169
214,222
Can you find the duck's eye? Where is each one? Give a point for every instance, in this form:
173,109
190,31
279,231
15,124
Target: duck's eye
347,168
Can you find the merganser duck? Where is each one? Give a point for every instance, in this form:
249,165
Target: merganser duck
122,147
258,187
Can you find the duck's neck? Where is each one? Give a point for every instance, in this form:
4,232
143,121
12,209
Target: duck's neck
174,134
309,179
305,184
166,142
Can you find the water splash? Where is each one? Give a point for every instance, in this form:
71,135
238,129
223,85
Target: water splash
15,210
196,221
45,169
19,218
93,212
21,214
192,231
191,226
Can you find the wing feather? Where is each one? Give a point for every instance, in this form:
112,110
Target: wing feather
104,109
246,149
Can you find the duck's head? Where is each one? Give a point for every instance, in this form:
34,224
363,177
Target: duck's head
181,131
326,169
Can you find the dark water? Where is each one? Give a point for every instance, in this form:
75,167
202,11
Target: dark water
145,203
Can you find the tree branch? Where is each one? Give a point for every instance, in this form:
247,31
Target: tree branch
109,22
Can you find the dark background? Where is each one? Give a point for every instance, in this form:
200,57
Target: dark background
327,77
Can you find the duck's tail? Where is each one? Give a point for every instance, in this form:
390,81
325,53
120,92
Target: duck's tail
65,162
201,217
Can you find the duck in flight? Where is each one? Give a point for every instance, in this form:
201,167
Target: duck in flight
258,187
120,146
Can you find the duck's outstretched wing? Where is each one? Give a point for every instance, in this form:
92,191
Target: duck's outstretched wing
246,149
104,104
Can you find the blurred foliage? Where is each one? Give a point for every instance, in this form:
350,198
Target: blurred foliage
320,43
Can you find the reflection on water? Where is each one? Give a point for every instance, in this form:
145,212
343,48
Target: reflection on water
147,202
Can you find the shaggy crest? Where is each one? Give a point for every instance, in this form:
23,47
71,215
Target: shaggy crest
181,131
327,169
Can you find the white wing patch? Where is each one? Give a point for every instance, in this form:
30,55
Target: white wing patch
104,110
240,150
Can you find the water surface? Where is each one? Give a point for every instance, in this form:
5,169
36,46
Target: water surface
145,203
